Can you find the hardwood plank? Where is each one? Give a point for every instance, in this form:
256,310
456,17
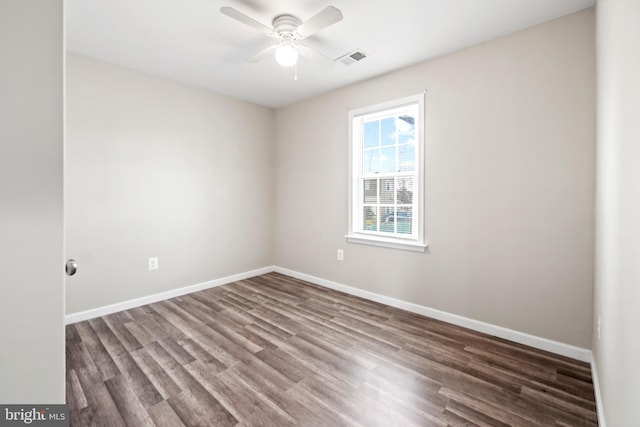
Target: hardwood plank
151,325
575,386
554,389
232,302
138,313
245,404
200,353
234,334
286,364
268,331
132,411
128,340
157,375
139,332
164,416
144,388
274,351
494,408
192,410
165,327
196,308
193,402
71,335
419,396
84,417
181,355
96,351
334,394
176,321
323,413
467,415
537,371
218,345
208,300
321,360
104,410
340,350
563,409
380,402
75,397
255,371
79,360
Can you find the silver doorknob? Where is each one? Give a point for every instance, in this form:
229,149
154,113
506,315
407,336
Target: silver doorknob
71,267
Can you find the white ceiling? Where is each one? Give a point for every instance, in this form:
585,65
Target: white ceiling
192,42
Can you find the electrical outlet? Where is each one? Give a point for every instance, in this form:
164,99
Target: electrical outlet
153,263
599,324
340,255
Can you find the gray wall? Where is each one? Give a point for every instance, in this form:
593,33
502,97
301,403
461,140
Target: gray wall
31,250
510,184
617,290
158,169
155,168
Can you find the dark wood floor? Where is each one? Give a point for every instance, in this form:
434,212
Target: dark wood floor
276,351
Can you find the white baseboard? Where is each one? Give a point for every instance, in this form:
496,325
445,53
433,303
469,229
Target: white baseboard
125,305
556,347
596,389
487,328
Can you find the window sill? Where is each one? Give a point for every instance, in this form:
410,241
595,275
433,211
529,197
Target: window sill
387,243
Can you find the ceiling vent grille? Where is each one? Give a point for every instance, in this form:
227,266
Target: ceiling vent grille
352,57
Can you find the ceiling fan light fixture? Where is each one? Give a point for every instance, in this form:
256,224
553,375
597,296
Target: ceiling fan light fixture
286,54
287,29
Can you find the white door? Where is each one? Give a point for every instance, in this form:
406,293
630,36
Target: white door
31,202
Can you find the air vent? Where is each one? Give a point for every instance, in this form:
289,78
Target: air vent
350,58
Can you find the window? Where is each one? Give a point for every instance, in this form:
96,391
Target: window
387,176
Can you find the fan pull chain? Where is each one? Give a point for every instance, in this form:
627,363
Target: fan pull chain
295,71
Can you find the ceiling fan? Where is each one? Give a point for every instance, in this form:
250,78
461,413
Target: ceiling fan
289,32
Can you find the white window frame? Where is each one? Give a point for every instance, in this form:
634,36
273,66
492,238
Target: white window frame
357,234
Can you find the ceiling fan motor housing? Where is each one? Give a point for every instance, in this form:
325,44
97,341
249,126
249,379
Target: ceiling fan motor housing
288,30
285,26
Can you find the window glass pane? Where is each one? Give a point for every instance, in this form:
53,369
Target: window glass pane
387,191
407,158
370,219
372,134
406,129
386,151
370,191
404,220
405,191
388,159
387,219
371,161
389,131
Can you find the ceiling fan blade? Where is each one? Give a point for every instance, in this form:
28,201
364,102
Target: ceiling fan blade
260,55
328,16
239,16
314,55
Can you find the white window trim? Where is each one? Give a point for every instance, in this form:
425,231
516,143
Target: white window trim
355,235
